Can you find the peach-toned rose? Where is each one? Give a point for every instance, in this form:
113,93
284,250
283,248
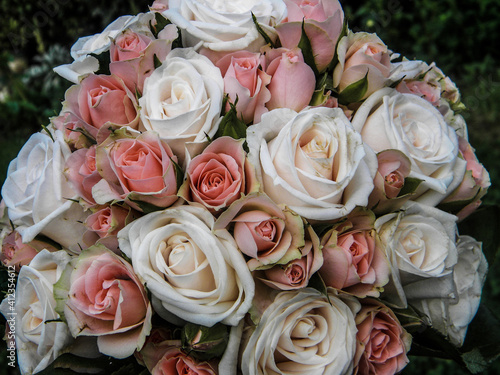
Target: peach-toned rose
82,173
136,169
106,299
323,20
354,258
382,343
219,175
18,254
101,99
265,232
296,273
176,362
246,82
360,55
426,90
105,223
77,134
289,71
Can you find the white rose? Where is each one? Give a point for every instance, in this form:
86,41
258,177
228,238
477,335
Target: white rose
182,100
38,196
302,332
451,316
410,124
420,244
225,25
313,162
40,337
192,272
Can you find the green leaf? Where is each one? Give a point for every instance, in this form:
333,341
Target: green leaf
104,60
231,125
316,282
205,343
179,174
483,225
410,186
157,61
261,31
354,92
145,207
161,22
307,51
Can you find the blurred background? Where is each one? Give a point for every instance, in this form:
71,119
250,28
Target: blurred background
461,36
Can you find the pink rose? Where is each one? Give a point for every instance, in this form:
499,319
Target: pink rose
101,99
18,254
176,362
105,223
362,55
382,343
289,72
354,259
393,169
219,175
133,55
263,231
323,21
426,90
245,81
136,169
106,299
77,134
82,173
466,198
296,273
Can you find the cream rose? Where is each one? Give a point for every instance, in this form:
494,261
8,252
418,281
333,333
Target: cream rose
182,100
225,26
451,316
312,161
38,196
302,332
40,335
412,125
420,245
193,273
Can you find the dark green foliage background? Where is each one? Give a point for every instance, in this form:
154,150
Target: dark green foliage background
461,36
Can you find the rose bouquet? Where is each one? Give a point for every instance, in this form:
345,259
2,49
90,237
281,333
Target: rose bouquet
243,187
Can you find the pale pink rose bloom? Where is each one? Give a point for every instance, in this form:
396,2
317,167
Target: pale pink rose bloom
104,224
18,254
360,55
296,273
100,100
289,72
219,175
82,173
474,185
176,362
323,21
159,6
246,82
393,168
354,259
265,232
136,169
427,90
75,131
133,55
107,300
382,343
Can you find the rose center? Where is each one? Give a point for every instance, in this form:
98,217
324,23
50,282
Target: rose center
97,93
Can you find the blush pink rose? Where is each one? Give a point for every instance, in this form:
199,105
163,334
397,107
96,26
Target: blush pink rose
265,232
106,299
382,343
219,175
393,169
100,100
82,173
296,273
18,254
136,169
246,82
354,259
133,55
427,90
289,72
323,21
105,223
176,362
77,134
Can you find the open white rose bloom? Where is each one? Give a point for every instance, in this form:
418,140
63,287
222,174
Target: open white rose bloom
245,187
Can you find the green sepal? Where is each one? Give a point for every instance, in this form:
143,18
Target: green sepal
354,92
343,33
317,282
86,134
411,184
231,125
157,61
307,51
179,173
261,31
161,22
145,207
205,343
